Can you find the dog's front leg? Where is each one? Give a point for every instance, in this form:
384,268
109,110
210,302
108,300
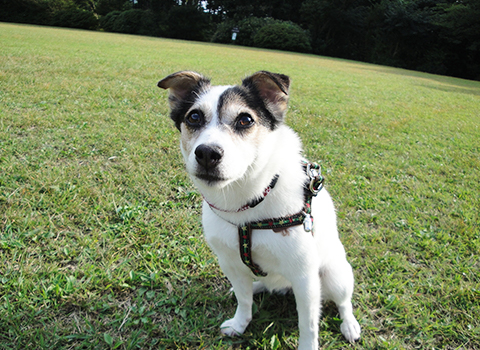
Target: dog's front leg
307,296
242,286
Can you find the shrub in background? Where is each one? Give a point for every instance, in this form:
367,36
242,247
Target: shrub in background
104,7
264,32
281,35
134,21
247,28
128,22
107,22
223,33
26,11
75,18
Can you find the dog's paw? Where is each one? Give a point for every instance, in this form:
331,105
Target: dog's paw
350,329
232,328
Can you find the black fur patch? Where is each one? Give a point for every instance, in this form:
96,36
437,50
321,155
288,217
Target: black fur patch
181,108
251,98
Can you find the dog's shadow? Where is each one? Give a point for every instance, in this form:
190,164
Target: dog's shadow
275,315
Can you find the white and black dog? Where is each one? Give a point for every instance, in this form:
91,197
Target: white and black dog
260,198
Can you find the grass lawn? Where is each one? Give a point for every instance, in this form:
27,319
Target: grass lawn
100,236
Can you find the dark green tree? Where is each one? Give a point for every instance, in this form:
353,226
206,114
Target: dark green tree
337,27
105,6
88,5
157,6
26,11
459,23
189,22
404,35
287,10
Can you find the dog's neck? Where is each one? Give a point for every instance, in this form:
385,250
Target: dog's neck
251,204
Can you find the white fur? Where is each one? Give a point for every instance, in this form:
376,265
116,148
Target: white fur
313,266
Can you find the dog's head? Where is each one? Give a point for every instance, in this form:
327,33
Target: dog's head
226,130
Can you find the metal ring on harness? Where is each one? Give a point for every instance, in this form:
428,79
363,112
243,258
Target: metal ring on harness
316,179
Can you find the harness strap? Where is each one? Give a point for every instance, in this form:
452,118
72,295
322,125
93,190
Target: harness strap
245,237
312,187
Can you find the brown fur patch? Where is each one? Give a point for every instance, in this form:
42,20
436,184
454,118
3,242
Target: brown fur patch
284,231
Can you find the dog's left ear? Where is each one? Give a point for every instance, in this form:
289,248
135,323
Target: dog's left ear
273,89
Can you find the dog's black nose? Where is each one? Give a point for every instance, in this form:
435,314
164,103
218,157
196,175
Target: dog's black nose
208,156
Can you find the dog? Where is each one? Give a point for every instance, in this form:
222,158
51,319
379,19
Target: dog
248,166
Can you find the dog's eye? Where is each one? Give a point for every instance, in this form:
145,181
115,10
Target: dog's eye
244,121
195,119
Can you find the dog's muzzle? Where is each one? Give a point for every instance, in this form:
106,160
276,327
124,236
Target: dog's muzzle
208,158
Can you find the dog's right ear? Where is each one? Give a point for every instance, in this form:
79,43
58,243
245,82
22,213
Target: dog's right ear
183,86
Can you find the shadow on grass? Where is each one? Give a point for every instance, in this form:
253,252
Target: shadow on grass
275,317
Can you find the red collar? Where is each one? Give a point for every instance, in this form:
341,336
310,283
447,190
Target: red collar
251,204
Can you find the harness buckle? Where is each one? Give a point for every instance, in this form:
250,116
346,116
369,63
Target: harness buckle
316,178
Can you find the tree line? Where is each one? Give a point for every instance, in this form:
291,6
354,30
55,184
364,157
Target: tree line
435,36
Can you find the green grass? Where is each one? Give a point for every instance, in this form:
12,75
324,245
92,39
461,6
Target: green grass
100,236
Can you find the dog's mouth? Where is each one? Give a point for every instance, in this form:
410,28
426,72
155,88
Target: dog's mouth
210,179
